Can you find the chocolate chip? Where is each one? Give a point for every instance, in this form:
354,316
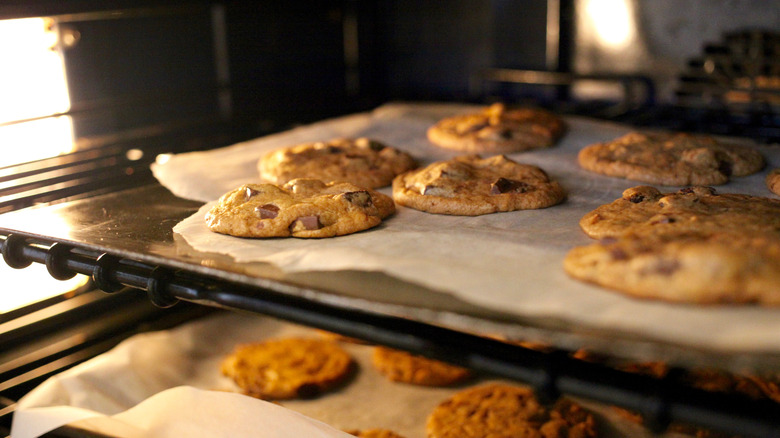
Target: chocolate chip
725,167
505,133
249,192
267,211
618,253
360,198
375,145
636,198
306,223
699,190
504,185
662,219
333,149
667,267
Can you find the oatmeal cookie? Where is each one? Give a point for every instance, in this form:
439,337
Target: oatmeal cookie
364,162
693,209
470,185
305,208
494,410
671,159
773,181
287,368
401,366
498,129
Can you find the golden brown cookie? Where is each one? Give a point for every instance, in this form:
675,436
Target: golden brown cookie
773,181
401,366
716,267
645,210
287,368
498,129
301,208
374,433
501,410
364,162
470,185
671,159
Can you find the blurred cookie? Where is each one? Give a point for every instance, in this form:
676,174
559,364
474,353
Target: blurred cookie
374,433
362,161
684,267
301,208
671,159
401,366
501,410
773,181
287,368
498,129
644,210
470,185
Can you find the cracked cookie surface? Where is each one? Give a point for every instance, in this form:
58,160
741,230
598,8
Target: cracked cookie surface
469,185
697,209
676,159
305,208
686,267
287,368
693,245
503,410
498,129
364,162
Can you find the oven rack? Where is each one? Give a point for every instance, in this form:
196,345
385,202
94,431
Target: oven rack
551,372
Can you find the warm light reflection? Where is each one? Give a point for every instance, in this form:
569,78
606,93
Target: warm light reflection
32,85
613,21
32,284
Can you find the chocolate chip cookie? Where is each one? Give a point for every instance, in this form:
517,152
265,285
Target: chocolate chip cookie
644,209
470,185
675,159
773,181
287,368
503,410
404,367
498,129
694,245
686,267
364,162
305,208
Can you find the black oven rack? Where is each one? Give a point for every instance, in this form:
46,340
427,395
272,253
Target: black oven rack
551,372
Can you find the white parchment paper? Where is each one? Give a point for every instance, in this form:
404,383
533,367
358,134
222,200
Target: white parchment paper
507,261
167,385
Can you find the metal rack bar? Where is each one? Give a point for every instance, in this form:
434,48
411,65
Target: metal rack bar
660,401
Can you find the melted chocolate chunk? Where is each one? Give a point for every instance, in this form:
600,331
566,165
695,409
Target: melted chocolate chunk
267,211
636,198
725,167
249,192
306,223
662,219
504,185
360,198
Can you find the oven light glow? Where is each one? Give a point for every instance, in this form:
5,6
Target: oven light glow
613,21
32,284
32,87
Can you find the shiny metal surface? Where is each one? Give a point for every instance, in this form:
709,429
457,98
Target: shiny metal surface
136,224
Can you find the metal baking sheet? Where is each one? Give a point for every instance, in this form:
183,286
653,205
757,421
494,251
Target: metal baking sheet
536,302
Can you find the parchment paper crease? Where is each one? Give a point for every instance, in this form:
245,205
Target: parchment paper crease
507,261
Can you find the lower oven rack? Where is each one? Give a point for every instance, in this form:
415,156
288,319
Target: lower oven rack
551,372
